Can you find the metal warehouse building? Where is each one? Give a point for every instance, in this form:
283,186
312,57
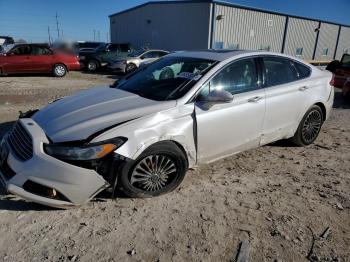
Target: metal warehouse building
186,25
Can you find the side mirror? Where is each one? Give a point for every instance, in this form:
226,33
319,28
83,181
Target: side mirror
216,97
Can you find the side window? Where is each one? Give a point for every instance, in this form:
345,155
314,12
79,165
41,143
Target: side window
113,48
150,55
21,50
279,71
125,48
160,54
236,78
303,71
38,50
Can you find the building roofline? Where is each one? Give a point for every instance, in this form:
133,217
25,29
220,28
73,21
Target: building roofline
162,2
219,2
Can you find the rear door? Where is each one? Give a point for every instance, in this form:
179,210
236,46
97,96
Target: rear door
41,58
18,60
287,89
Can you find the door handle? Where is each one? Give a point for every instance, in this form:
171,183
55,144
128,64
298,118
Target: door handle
303,88
254,99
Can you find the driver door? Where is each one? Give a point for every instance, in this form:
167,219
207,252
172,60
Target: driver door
229,128
18,60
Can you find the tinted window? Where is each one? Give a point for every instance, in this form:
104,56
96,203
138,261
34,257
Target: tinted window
303,71
113,48
151,55
21,50
125,48
279,71
160,53
38,50
236,78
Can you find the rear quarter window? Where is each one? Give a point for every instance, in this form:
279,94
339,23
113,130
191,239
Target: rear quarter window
303,71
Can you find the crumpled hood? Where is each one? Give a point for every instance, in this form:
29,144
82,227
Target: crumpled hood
79,116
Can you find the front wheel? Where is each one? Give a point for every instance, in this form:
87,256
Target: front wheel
158,170
309,127
92,65
59,70
130,68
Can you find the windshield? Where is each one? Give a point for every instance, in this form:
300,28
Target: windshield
136,53
168,78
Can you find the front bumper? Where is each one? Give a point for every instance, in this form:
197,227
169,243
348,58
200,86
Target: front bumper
77,185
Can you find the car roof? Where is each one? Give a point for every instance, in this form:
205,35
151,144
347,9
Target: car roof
224,54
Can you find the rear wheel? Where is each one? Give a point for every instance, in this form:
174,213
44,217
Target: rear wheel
309,127
158,170
59,70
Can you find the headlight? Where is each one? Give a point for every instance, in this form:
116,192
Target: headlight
86,152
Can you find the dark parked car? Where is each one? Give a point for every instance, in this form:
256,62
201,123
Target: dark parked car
341,70
36,58
102,55
89,46
5,40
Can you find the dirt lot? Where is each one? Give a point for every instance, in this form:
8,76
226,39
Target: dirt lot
278,198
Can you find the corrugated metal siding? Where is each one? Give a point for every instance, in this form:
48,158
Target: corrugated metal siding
169,26
249,29
327,40
301,34
344,42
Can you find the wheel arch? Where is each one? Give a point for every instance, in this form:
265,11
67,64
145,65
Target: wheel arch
323,109
60,63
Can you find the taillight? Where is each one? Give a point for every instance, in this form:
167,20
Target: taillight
332,82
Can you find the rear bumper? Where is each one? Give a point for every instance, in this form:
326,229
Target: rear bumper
77,185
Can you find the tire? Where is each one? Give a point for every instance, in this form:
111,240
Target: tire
309,127
151,186
131,67
92,65
59,70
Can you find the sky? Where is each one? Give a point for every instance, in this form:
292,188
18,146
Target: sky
88,19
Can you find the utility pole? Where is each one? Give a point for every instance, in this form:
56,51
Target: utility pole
61,33
94,35
48,31
107,37
98,33
57,27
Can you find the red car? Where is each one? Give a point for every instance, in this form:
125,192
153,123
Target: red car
341,70
36,58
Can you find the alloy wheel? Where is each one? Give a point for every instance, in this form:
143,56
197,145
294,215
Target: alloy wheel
312,126
154,173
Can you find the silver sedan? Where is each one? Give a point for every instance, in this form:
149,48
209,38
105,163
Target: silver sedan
135,60
142,134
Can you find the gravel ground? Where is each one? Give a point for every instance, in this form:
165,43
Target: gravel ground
277,199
